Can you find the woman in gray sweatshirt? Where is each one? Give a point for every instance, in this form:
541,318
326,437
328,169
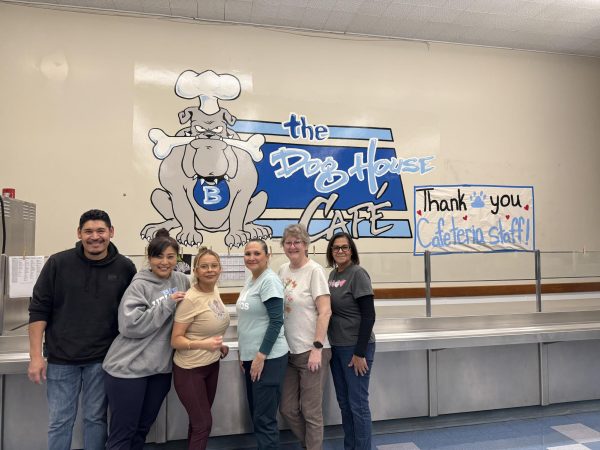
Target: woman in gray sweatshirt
138,363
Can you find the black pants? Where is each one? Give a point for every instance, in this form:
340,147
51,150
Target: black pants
134,404
263,399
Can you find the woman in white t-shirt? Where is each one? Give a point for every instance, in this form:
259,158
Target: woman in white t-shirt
307,313
200,323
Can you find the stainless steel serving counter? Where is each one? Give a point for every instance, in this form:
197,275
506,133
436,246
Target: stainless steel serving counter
423,367
475,331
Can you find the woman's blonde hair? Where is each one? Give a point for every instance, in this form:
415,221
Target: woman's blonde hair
202,251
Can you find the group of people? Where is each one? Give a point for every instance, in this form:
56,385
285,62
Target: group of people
110,334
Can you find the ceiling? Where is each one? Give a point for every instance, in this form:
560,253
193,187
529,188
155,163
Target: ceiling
561,26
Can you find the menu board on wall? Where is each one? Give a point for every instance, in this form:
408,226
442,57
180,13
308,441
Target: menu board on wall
23,272
232,267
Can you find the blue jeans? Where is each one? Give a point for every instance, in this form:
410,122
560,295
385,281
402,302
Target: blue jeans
64,384
352,394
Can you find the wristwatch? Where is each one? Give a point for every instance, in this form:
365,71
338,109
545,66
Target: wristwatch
318,345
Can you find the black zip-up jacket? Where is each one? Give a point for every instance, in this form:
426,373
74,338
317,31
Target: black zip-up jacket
79,299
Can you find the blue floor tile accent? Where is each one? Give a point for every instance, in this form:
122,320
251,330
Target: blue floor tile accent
523,434
511,435
510,430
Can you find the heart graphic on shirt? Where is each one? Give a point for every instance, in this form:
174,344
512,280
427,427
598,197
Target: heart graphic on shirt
465,217
337,283
526,207
507,216
419,212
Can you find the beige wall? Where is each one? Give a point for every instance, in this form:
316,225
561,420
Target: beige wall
80,92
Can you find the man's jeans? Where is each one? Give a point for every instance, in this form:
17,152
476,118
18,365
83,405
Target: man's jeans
352,394
64,383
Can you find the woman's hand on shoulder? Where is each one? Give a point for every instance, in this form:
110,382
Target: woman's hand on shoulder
177,296
360,365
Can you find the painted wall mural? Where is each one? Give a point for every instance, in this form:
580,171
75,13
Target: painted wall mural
208,174
353,185
220,173
473,218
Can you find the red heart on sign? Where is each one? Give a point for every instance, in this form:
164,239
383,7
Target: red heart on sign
526,207
507,216
419,212
465,217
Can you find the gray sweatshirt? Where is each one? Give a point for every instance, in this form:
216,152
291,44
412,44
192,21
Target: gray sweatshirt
143,346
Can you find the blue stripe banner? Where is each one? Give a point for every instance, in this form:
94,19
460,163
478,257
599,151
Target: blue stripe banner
393,228
335,132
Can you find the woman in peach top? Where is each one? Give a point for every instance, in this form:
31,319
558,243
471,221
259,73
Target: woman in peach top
200,323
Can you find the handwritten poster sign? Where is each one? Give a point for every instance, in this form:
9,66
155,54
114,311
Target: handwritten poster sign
473,218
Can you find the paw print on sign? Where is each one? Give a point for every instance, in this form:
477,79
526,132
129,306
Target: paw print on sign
477,200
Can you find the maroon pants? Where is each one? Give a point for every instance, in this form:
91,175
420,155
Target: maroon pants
196,389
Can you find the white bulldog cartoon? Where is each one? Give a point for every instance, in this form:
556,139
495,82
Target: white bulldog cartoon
207,173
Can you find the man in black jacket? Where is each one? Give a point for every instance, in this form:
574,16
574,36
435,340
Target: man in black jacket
75,302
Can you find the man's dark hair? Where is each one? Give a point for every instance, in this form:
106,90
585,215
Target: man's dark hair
95,214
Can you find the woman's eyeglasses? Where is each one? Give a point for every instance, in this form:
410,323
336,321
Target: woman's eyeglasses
205,267
293,243
340,248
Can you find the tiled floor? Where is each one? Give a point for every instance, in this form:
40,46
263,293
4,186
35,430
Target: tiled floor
570,432
520,429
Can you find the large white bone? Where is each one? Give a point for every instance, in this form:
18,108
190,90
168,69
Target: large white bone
163,143
251,146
